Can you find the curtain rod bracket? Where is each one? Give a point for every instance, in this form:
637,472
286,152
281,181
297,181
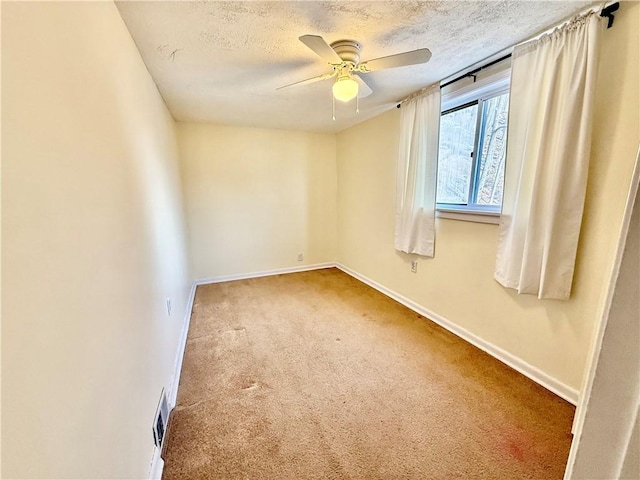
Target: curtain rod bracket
605,12
608,12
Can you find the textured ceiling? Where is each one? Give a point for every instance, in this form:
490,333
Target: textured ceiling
221,62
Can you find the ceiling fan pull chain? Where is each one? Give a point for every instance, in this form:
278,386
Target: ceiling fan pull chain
357,104
333,107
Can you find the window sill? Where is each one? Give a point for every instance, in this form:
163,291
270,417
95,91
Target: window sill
468,215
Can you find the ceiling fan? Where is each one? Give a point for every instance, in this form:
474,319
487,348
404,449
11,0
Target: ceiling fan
343,56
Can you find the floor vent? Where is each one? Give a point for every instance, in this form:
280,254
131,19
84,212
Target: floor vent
160,420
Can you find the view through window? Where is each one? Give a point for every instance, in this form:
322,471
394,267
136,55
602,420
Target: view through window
471,157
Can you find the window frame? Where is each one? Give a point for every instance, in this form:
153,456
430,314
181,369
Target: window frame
471,94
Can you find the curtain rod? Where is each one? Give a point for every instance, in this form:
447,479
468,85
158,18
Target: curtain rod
607,12
472,73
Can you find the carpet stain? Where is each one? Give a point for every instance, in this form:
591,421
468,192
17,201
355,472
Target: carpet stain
515,451
518,444
236,337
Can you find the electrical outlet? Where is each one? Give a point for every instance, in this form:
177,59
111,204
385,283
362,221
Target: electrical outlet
300,257
168,306
414,266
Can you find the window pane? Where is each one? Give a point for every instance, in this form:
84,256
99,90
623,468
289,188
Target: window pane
493,144
457,137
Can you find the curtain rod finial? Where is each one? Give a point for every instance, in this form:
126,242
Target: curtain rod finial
608,12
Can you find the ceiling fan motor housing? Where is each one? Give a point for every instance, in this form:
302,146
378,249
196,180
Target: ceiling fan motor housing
347,50
343,56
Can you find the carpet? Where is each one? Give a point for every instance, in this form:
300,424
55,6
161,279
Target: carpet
315,375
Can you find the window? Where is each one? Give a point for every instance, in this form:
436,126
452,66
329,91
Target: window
472,149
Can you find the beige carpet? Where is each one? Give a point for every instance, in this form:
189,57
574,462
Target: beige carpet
316,375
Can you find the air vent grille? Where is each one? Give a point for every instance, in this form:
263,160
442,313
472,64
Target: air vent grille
160,420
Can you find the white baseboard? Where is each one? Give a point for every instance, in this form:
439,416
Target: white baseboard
529,371
533,373
157,465
177,369
265,273
552,384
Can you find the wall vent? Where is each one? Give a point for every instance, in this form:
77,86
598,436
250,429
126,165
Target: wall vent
160,420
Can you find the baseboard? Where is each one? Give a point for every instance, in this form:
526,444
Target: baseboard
157,465
177,368
264,273
552,384
529,371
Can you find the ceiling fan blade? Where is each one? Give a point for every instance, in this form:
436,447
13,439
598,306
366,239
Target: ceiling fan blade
414,57
363,89
321,47
307,81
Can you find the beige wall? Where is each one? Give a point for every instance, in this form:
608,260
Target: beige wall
256,198
93,233
614,384
553,336
93,242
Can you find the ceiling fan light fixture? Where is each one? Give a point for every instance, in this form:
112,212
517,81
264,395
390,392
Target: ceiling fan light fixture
345,89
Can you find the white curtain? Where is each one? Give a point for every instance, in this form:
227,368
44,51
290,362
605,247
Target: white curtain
550,117
416,174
